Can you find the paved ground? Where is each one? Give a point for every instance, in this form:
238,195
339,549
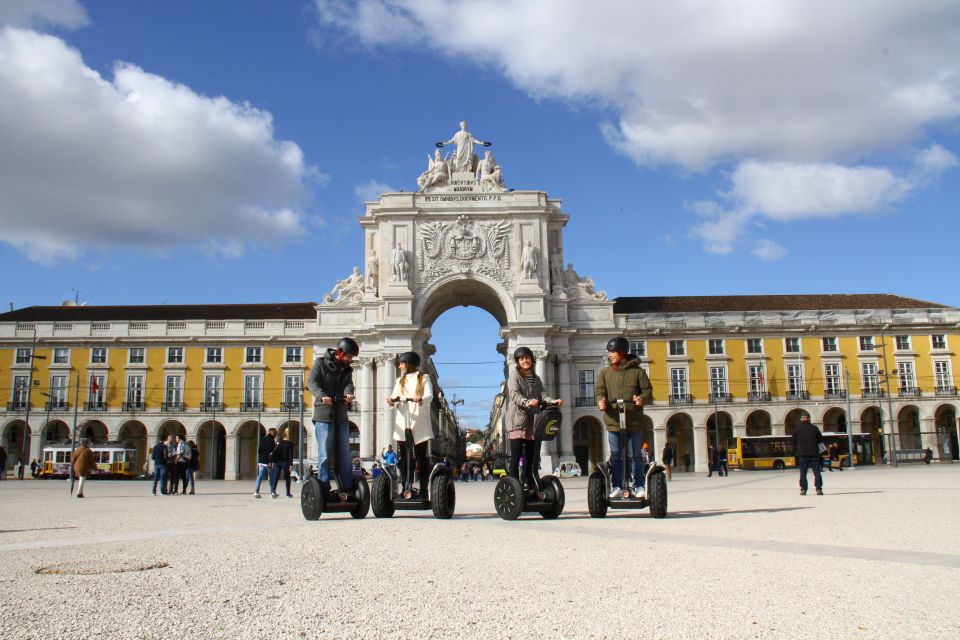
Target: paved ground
738,557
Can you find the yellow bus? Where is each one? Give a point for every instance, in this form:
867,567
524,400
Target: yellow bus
776,452
113,461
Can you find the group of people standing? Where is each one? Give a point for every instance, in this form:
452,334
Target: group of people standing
175,462
274,459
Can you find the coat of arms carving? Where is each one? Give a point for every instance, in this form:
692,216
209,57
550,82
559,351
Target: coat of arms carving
464,246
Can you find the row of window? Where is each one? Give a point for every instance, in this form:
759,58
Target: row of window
717,346
173,390
138,355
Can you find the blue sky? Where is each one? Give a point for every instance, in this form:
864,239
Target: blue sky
188,152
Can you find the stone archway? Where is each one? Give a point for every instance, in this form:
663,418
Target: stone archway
945,420
171,428
908,426
834,420
680,430
792,420
13,441
871,422
248,436
95,430
212,442
54,432
726,429
588,444
758,423
133,434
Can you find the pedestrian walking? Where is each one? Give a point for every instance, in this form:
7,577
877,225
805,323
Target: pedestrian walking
83,464
712,460
33,468
171,465
192,465
667,458
722,463
686,461
159,457
282,465
267,444
807,447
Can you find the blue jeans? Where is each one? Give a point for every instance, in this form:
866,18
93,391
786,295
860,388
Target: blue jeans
325,444
188,479
160,475
810,462
635,442
263,470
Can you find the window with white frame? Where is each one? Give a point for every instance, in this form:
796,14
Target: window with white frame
23,356
938,341
291,390
868,374
638,348
794,379
58,390
754,345
677,348
98,355
831,378
755,378
21,385
866,343
212,389
174,390
254,354
792,345
175,355
585,388
715,347
294,354
830,343
137,355
718,380
678,382
61,355
97,393
214,355
908,381
903,343
135,390
252,390
941,372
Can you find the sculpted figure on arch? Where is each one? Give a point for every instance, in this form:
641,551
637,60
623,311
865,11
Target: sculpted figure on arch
464,158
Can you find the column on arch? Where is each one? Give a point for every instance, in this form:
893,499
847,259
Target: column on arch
659,439
386,378
233,460
565,392
701,463
548,451
368,406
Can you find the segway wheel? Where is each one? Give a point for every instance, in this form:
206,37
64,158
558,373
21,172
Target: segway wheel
443,496
657,495
553,492
508,498
361,490
382,497
597,495
311,499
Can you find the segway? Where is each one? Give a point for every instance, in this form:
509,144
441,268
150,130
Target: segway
546,496
354,500
600,484
388,495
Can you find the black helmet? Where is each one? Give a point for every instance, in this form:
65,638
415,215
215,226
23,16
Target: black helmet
410,357
618,344
523,351
349,346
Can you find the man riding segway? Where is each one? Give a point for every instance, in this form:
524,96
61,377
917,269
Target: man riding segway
331,383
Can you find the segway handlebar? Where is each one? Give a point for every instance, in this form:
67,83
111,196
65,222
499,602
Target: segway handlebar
399,399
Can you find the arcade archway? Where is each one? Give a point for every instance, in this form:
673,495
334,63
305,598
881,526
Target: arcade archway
680,430
588,444
908,425
212,442
758,424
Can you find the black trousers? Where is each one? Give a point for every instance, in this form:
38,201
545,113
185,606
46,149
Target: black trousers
528,449
407,470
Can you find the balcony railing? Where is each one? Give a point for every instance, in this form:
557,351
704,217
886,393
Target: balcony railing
909,392
95,405
292,405
251,406
171,406
57,405
17,405
584,401
798,395
836,394
211,406
946,391
719,398
759,396
133,405
871,393
681,398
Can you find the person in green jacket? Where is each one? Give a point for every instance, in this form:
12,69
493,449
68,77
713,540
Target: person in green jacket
625,379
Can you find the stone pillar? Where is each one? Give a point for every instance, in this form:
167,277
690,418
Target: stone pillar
386,378
778,428
548,450
565,392
659,442
701,461
928,435
368,407
231,472
739,431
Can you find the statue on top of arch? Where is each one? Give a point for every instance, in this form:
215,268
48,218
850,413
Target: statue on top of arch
443,171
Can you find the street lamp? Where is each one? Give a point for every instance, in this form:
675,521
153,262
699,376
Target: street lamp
886,377
456,422
24,452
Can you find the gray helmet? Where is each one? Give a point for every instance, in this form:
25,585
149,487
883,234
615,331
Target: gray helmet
618,344
349,345
410,357
519,352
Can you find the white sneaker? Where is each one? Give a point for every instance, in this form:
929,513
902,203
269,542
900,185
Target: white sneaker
274,496
257,495
639,493
616,493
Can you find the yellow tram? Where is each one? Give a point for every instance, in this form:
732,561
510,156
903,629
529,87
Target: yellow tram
113,461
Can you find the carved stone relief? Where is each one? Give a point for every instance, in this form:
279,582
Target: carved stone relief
464,246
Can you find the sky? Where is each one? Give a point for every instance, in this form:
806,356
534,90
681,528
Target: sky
187,152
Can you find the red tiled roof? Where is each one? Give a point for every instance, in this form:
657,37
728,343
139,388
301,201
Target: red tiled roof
802,302
278,311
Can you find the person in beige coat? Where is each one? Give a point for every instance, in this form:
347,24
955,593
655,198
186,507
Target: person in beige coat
83,463
417,386
525,395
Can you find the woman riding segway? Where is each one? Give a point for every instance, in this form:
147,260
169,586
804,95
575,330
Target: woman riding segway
526,400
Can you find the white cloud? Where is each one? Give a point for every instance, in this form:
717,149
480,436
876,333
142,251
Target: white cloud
694,83
768,250
69,14
137,161
370,190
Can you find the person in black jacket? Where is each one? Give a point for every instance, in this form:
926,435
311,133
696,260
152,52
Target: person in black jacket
667,458
806,447
331,383
282,463
264,453
159,456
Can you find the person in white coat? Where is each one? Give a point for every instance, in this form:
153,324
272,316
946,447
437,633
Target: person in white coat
417,386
